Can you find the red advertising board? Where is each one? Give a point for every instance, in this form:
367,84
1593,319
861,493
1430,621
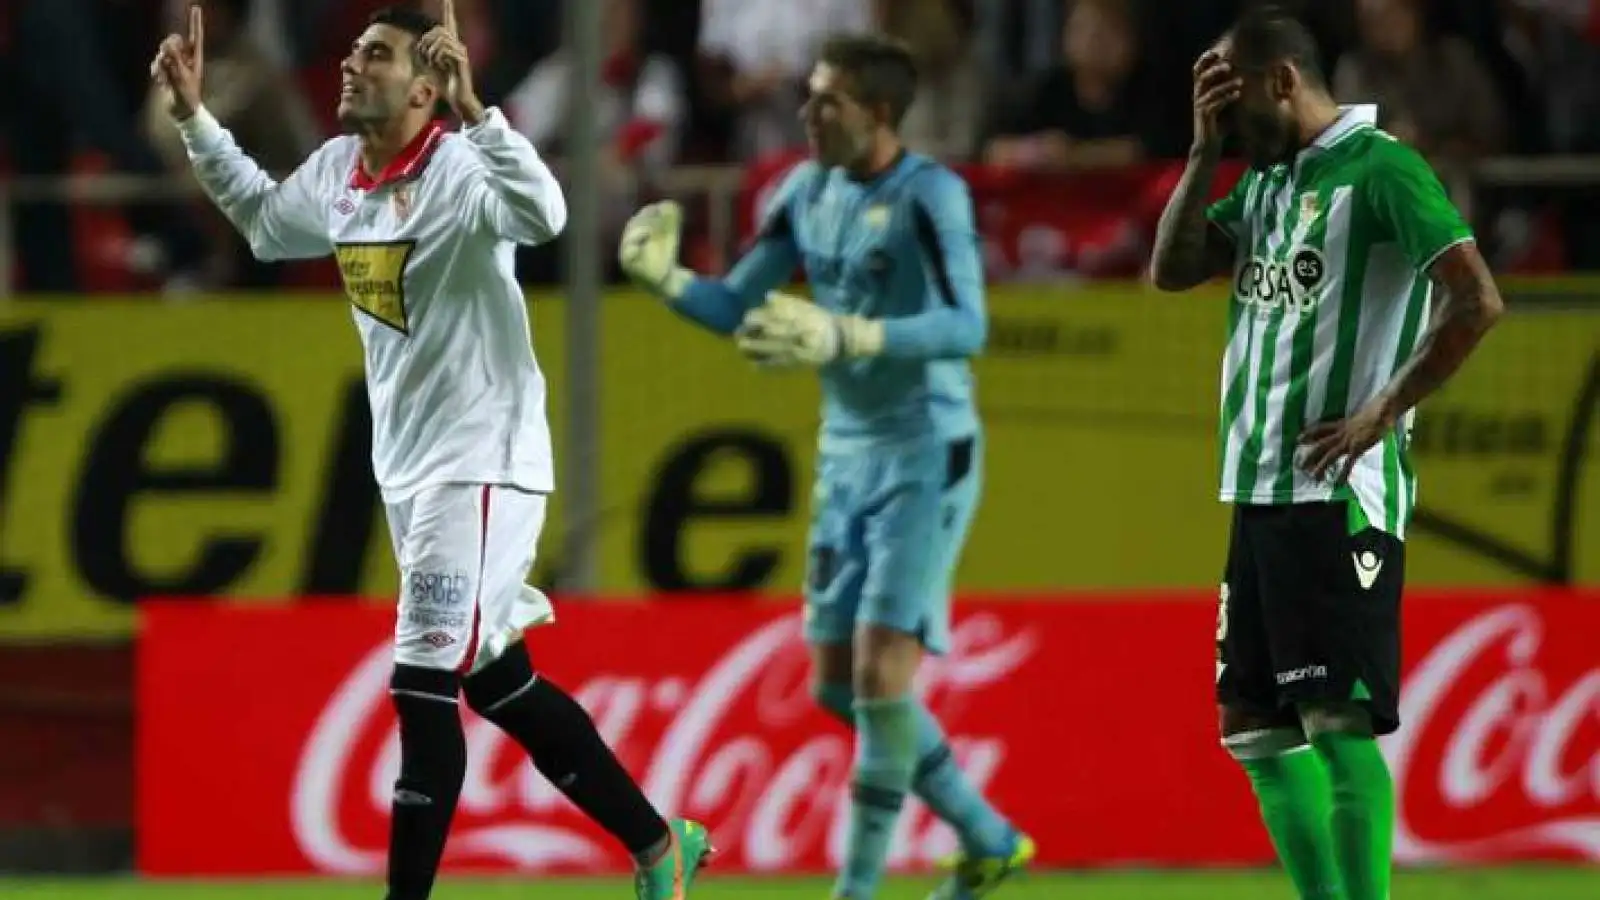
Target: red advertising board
266,742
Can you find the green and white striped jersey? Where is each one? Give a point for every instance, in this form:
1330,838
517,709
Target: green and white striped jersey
1330,298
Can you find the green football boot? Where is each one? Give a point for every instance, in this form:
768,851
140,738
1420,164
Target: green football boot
973,877
674,873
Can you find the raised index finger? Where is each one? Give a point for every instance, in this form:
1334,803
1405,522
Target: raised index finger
197,28
447,15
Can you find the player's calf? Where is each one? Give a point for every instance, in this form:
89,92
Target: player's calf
561,738
1291,786
884,714
433,762
937,779
1362,795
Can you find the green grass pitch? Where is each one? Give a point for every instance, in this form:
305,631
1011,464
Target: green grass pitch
1459,884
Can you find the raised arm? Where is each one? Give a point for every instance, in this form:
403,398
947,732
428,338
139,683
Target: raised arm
1191,246
649,254
280,221
1194,243
514,195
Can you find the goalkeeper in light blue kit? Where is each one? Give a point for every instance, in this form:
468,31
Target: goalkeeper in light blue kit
891,252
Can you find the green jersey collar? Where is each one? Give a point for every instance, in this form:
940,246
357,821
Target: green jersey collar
1351,118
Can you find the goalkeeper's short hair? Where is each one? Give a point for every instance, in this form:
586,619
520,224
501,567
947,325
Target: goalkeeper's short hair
881,70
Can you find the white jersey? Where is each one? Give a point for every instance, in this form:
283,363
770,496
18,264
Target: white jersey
426,252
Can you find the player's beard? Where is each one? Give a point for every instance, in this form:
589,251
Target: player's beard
1267,140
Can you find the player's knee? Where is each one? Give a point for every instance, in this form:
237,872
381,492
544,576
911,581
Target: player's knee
1232,720
423,683
882,676
1335,717
1262,743
885,662
499,682
433,749
836,698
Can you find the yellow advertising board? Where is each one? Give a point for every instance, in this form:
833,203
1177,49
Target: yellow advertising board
220,449
1101,470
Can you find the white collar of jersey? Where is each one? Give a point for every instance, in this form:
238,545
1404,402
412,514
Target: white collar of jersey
1350,118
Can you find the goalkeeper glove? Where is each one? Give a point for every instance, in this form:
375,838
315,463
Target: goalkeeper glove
649,250
787,331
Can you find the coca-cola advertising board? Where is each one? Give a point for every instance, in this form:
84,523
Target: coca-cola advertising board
267,744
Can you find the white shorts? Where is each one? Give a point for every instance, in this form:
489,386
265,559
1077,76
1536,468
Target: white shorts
465,551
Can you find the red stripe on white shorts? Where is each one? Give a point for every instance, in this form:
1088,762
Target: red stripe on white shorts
477,596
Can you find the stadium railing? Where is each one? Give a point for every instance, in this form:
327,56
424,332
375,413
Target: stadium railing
718,186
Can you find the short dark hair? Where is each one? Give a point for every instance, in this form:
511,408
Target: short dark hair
409,19
1268,35
880,68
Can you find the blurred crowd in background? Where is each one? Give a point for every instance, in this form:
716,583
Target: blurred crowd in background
1056,86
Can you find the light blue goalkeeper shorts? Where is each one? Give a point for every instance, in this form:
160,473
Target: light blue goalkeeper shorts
887,529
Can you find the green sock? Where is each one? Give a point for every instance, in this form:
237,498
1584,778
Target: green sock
1363,813
1292,789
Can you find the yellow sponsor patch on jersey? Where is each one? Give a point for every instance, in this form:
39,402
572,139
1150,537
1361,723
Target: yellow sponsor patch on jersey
374,279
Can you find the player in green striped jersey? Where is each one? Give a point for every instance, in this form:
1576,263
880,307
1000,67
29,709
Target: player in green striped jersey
1357,291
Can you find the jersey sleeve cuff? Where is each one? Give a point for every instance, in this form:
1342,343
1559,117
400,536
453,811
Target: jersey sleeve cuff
493,122
1427,263
201,132
861,337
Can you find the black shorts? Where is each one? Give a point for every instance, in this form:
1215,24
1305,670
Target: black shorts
1309,611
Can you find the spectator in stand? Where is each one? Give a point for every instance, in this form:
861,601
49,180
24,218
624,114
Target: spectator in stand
755,56
1558,44
525,32
256,100
640,112
1432,91
72,95
1091,111
1018,39
947,115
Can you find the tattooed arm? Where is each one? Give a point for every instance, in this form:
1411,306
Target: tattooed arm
1190,248
1468,304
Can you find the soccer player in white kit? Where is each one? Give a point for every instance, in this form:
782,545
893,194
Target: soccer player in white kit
424,221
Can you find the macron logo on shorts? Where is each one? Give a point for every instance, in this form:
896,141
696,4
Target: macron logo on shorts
1304,673
1368,565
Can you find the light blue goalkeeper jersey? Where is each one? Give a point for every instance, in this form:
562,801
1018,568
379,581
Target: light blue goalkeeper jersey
901,247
